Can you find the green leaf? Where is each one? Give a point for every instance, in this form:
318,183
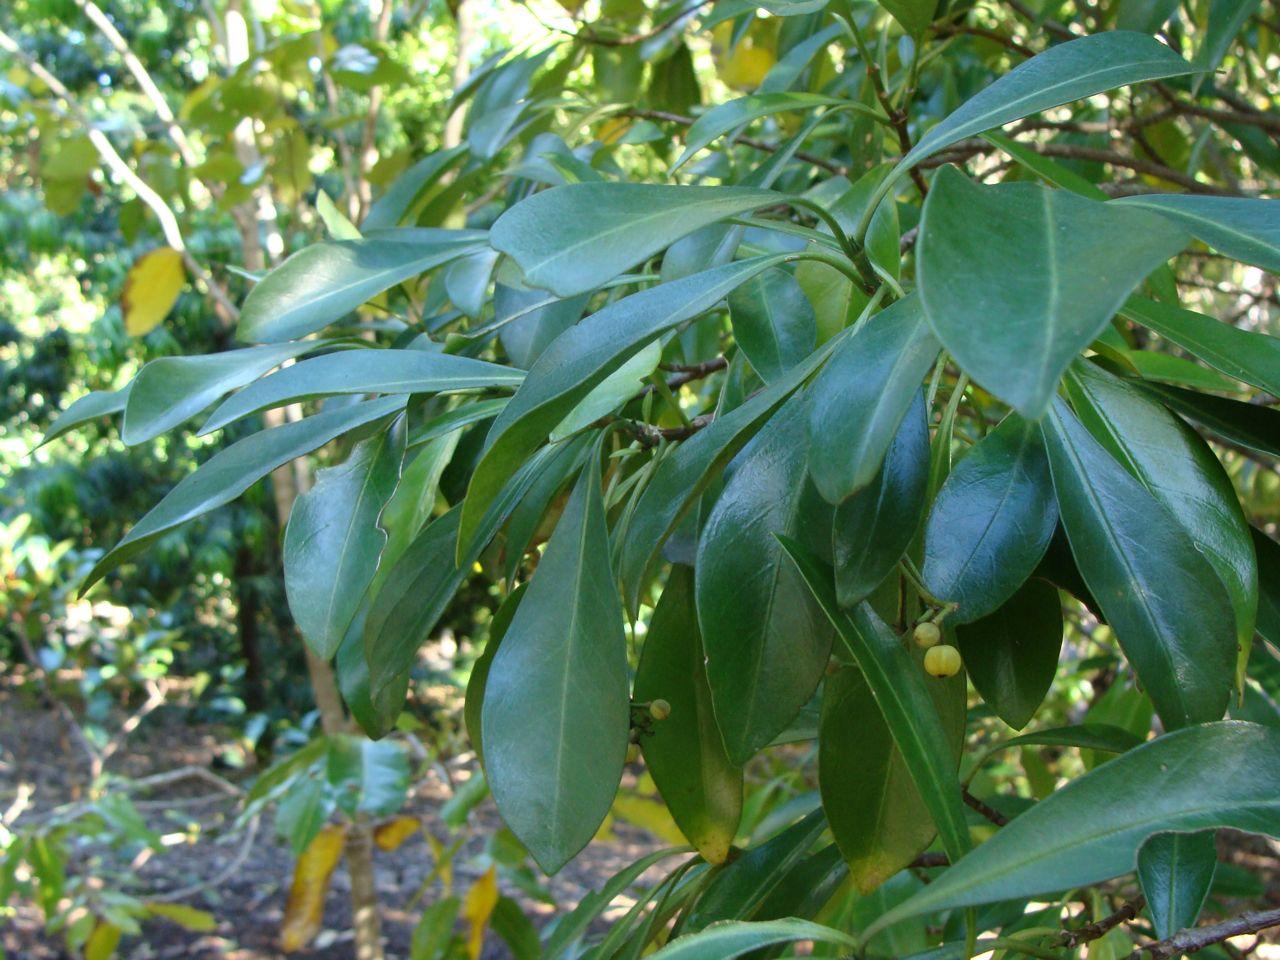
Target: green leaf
1066,71
724,941
1090,830
578,360
555,714
765,640
535,320
773,323
682,477
876,813
333,541
368,776
685,753
604,228
233,470
1250,425
1076,262
1046,168
739,888
171,390
991,522
480,670
1012,653
899,686
1179,371
861,396
95,404
324,282
1181,472
394,205
1268,552
1225,18
610,393
1169,610
335,221
1176,871
1242,228
1243,354
1086,736
873,528
363,371
914,16
732,114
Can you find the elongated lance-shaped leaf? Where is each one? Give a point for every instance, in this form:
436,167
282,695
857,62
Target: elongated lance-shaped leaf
991,522
733,938
684,475
232,471
1242,228
1177,466
1017,279
555,715
1249,424
324,282
1243,354
392,207
898,686
169,390
1176,871
1068,71
726,117
1170,612
333,542
582,357
363,371
1090,830
95,404
862,394
684,752
571,239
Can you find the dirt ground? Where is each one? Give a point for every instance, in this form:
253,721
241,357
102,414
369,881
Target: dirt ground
36,748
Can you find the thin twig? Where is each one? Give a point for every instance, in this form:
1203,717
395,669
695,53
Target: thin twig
989,812
1100,928
1197,938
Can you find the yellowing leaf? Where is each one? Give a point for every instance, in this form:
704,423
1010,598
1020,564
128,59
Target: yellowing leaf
102,943
444,861
311,874
201,921
477,907
651,815
389,835
744,67
151,289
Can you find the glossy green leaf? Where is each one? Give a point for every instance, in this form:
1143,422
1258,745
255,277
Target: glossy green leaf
683,476
610,393
766,642
95,404
547,487
729,116
474,700
602,229
390,209
1268,553
1181,472
739,888
1066,71
1103,737
991,522
322,283
876,813
1242,228
170,390
685,752
333,540
1250,425
899,687
1176,871
555,715
536,319
233,470
1075,261
1046,168
1243,354
1179,371
363,371
914,16
773,323
1090,830
873,528
1225,18
1169,610
1012,653
861,396
724,941
578,360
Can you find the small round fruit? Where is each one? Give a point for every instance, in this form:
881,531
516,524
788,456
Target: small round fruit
633,752
942,661
659,709
927,635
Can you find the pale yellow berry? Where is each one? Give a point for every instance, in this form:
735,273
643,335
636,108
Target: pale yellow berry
942,661
927,635
659,709
633,752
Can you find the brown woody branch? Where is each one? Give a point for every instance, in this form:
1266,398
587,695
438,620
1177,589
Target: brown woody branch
1197,938
1100,928
984,809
